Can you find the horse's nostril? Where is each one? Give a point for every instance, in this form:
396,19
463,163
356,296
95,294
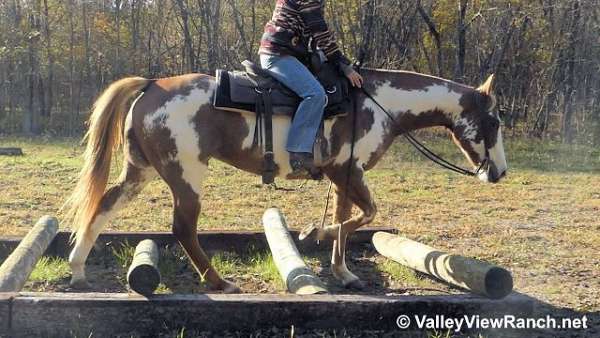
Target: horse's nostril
503,174
495,178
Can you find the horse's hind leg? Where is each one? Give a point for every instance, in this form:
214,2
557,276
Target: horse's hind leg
130,183
185,217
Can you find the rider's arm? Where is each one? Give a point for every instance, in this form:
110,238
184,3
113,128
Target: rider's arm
312,15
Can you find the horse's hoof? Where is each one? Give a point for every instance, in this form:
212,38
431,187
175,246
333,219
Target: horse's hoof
316,175
306,232
229,288
357,285
80,284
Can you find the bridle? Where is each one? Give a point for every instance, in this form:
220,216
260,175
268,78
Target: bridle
428,153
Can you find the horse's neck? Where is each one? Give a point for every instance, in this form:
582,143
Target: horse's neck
414,100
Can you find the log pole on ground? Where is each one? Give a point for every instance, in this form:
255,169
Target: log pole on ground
474,275
11,151
298,277
143,275
16,269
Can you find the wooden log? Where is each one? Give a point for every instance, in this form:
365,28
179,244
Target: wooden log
298,277
468,273
18,266
143,275
11,151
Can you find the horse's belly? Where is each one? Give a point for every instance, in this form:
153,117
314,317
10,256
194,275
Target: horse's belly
281,127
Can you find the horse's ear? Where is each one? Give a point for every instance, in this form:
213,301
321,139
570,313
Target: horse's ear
487,87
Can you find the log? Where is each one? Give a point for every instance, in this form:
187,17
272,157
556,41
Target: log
468,273
298,277
11,151
143,275
18,266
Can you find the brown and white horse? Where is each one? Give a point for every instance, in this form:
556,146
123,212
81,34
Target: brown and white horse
172,130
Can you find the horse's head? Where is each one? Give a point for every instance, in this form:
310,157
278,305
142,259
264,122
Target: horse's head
477,132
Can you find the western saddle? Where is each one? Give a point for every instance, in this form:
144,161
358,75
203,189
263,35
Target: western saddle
256,90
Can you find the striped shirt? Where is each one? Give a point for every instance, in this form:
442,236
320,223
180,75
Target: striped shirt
292,24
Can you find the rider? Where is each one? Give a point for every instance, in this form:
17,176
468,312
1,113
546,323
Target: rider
284,41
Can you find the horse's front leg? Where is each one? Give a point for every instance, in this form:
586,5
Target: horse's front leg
354,192
357,193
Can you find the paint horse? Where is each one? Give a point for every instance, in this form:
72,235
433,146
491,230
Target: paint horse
172,130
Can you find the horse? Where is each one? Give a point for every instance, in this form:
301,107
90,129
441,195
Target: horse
169,128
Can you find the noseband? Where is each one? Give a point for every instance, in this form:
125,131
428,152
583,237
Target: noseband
435,158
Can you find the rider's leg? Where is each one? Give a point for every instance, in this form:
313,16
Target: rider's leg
294,75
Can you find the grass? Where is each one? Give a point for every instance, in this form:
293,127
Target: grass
49,270
124,255
541,222
255,263
402,274
226,263
262,263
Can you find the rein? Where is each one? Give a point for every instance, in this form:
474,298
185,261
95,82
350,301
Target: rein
435,158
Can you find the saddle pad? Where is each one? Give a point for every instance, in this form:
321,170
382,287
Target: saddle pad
237,90
245,93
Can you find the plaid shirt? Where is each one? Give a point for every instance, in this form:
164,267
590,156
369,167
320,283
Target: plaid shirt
292,24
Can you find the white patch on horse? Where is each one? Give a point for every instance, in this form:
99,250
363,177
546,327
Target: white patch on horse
438,96
327,128
281,126
250,120
479,148
497,155
177,116
470,130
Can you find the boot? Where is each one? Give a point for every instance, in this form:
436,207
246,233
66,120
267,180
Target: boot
303,164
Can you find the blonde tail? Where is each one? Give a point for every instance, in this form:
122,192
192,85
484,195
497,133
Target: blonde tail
104,136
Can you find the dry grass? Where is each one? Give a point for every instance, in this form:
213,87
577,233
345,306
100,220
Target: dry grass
541,222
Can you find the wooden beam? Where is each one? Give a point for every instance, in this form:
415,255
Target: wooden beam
211,241
467,273
18,266
298,277
106,315
11,152
143,275
5,312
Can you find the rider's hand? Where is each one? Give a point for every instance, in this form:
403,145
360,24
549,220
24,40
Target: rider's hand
355,79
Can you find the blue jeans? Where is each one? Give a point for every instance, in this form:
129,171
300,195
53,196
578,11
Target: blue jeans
294,75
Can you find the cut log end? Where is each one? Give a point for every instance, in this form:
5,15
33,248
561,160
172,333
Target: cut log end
144,279
143,275
498,282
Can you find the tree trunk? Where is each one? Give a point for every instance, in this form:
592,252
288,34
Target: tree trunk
47,111
461,33
436,37
571,53
188,44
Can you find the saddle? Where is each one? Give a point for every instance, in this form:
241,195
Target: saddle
256,90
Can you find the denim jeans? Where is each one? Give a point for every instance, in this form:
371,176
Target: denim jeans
294,75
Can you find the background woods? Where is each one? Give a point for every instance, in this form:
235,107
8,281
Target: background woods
56,55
